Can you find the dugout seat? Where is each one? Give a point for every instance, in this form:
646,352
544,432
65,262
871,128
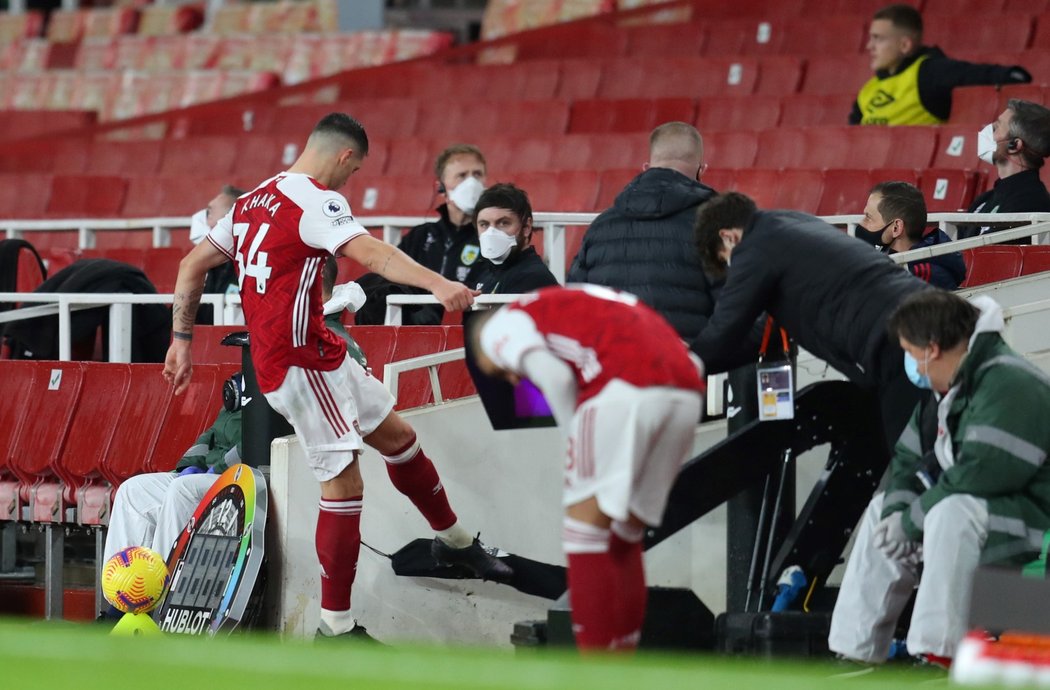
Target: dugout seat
188,415
841,34
683,39
207,347
564,190
580,78
414,388
141,418
24,195
779,75
845,191
670,77
95,421
834,75
51,399
130,159
530,80
216,155
814,110
161,266
15,377
969,7
92,196
975,105
729,150
1036,259
611,183
790,189
963,29
991,263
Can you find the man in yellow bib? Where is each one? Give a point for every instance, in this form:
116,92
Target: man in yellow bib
913,83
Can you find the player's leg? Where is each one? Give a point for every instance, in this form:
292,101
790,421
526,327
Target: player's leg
181,499
414,475
875,589
321,409
133,520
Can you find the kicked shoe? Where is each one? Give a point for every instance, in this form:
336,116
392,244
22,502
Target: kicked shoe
477,558
356,634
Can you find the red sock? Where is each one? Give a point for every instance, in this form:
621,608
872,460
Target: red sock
338,541
412,473
627,558
607,605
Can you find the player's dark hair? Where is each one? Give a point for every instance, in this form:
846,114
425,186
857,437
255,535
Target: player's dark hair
232,192
904,201
723,212
934,316
504,195
903,17
341,124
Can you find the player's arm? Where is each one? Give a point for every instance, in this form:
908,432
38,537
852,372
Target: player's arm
556,380
189,286
396,266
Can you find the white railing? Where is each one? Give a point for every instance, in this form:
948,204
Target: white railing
119,304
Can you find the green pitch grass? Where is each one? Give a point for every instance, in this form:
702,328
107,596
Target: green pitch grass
70,656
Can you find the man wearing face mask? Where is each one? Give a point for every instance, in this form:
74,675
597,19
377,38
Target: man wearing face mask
509,264
974,491
913,83
832,294
1017,144
221,280
895,220
448,245
644,243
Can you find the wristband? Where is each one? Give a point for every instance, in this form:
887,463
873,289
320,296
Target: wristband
176,335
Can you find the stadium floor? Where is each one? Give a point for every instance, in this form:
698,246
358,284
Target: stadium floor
35,654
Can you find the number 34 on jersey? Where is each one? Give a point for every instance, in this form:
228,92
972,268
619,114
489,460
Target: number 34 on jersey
254,263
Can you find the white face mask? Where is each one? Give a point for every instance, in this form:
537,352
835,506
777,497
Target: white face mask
986,145
466,194
496,245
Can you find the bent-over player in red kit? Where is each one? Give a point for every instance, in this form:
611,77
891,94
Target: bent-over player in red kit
279,236
627,393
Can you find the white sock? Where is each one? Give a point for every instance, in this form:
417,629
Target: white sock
336,622
455,536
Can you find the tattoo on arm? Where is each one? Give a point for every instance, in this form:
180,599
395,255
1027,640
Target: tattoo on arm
184,309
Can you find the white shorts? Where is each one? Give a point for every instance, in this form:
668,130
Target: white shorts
626,447
331,411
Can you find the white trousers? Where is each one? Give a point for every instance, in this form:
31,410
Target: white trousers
152,509
876,588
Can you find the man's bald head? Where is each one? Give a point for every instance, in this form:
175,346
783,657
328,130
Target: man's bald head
678,146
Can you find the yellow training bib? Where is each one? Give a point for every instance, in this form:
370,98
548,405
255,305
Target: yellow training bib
895,100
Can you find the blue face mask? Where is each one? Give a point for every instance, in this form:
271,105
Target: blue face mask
911,368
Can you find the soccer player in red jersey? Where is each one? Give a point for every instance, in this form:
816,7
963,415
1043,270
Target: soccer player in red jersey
279,236
627,392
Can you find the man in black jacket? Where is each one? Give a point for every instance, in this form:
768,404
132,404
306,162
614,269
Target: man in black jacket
509,265
644,243
913,83
895,219
831,293
1017,144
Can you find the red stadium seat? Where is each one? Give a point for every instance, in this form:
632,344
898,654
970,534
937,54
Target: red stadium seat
817,8
207,347
685,38
161,265
815,110
787,148
909,175
266,156
779,75
124,158
579,78
386,195
948,190
975,105
1027,6
1041,37
453,377
50,398
826,75
941,8
956,147
410,157
976,33
141,418
24,195
521,155
657,77
628,115
414,341
845,191
216,155
738,112
564,190
718,179
527,80
15,377
612,183
843,34
991,264
97,417
750,35
1036,259
91,196
187,416
791,189
607,151
730,150
377,343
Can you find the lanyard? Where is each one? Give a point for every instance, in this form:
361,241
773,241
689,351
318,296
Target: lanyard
765,340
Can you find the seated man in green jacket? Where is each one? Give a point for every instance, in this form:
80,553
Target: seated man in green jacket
971,487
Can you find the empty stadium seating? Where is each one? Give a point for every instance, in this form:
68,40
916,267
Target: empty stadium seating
991,264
